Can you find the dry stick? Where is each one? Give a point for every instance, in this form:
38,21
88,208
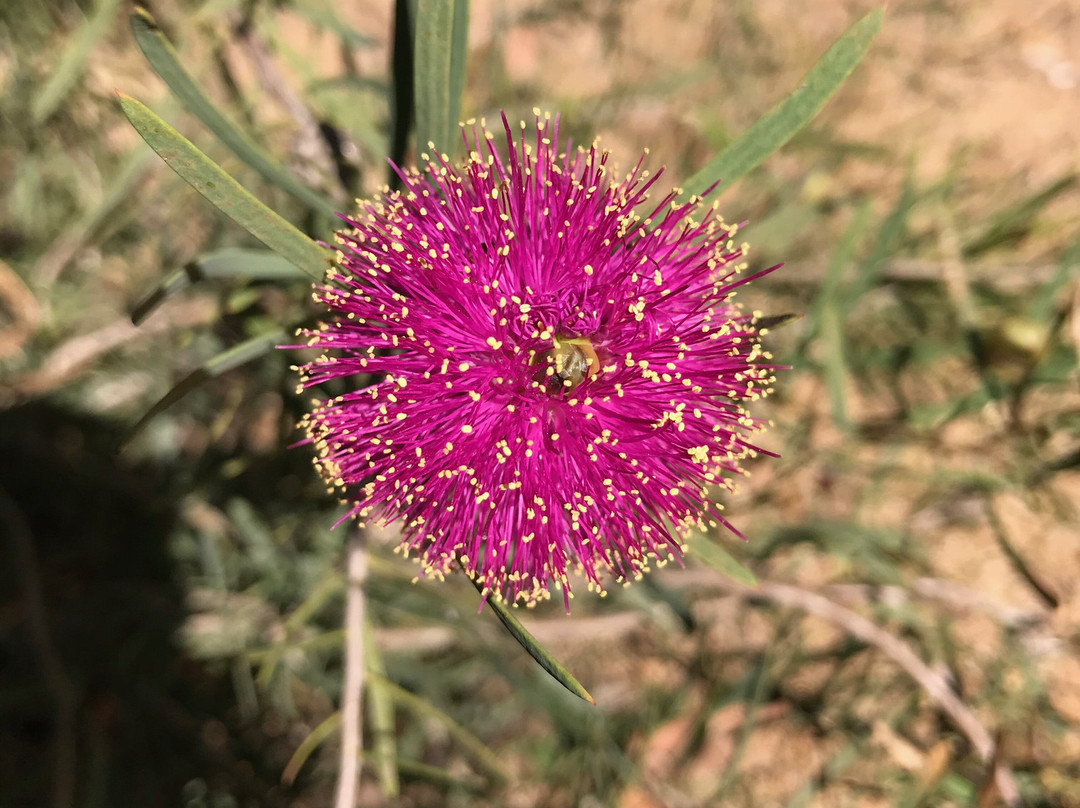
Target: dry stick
56,679
22,309
352,690
70,359
899,652
959,598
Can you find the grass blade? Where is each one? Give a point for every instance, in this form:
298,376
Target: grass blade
481,754
381,711
830,318
314,739
163,59
888,241
439,70
1016,221
781,123
324,15
331,585
225,193
71,67
232,262
212,368
715,556
534,649
1041,309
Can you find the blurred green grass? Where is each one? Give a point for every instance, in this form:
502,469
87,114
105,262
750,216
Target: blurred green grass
929,429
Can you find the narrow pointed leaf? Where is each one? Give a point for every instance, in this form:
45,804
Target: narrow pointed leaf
232,358
719,559
163,59
1041,308
473,746
325,16
71,66
1015,221
439,70
781,123
888,240
770,322
314,739
830,318
225,193
330,586
381,712
232,262
534,649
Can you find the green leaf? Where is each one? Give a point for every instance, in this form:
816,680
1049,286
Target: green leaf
331,585
381,711
212,368
534,649
781,123
325,16
888,240
1015,222
71,66
97,219
225,193
473,746
231,262
1041,309
830,317
314,739
440,50
719,559
162,57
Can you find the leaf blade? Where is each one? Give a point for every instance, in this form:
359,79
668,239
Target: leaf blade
230,262
534,649
439,47
715,556
71,67
381,713
783,121
227,360
225,193
473,746
163,58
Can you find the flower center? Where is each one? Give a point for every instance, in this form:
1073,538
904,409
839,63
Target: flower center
566,365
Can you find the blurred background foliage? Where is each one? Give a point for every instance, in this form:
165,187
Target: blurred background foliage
170,617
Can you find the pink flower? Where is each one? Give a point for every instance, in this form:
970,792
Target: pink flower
545,381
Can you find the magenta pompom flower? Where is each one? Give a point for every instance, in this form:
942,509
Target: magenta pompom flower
545,381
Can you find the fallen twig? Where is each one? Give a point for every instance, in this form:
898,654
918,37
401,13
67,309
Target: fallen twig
934,684
69,359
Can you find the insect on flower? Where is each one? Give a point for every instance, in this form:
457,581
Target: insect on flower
566,365
558,381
